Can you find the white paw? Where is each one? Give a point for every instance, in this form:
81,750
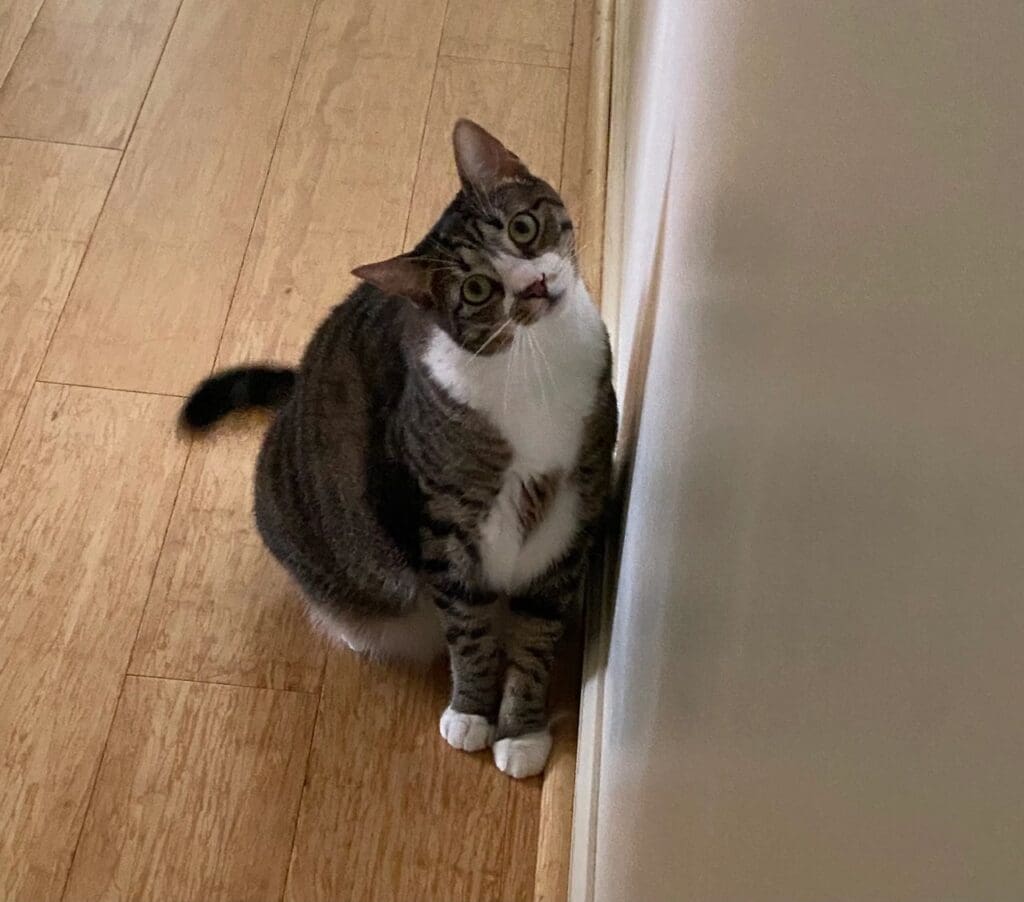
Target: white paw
523,756
468,732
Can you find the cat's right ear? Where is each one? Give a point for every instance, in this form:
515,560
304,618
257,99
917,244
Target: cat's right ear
404,276
482,160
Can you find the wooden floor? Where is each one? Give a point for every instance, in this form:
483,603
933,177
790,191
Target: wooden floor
186,184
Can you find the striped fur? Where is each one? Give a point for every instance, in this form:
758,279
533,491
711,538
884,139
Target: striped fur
434,480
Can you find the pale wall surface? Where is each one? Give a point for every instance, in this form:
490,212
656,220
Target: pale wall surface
815,689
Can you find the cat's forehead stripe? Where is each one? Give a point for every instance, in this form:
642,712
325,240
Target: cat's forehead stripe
546,199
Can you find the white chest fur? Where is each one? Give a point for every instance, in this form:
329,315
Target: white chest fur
537,395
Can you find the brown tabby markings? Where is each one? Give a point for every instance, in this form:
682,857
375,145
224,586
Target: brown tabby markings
374,484
535,499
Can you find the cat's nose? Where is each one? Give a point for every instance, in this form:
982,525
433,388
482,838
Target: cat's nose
538,289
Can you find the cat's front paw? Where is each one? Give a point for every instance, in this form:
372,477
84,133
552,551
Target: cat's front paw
523,756
466,732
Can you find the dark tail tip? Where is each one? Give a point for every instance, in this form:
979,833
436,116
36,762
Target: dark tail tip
236,389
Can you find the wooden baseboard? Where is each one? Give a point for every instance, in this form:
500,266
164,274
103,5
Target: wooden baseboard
612,72
584,168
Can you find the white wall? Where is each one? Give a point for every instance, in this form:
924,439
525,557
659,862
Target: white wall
815,688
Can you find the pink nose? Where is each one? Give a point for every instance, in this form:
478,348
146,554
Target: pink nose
538,289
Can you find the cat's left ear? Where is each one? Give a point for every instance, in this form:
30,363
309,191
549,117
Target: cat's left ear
404,276
482,160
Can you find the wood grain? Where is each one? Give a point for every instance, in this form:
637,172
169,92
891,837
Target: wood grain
522,105
584,177
196,797
84,498
49,200
222,609
338,194
148,308
392,812
538,32
84,69
16,17
554,830
584,157
601,183
198,793
520,843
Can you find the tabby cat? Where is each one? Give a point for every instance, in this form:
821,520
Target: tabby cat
439,462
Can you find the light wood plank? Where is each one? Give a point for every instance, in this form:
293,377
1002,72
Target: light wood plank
222,609
585,156
84,499
149,305
197,795
50,197
524,106
538,32
574,145
554,830
84,69
338,194
16,17
391,812
520,842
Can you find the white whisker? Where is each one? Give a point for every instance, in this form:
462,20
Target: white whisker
547,365
508,367
496,333
535,359
523,377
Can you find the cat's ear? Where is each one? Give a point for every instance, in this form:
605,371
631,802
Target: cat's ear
482,160
403,275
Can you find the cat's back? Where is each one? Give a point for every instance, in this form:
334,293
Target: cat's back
360,341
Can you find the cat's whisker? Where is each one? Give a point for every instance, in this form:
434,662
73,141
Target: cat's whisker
547,364
524,374
510,364
535,360
539,349
581,247
448,262
440,267
446,255
508,371
496,333
435,243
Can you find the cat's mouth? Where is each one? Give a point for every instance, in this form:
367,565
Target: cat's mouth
534,302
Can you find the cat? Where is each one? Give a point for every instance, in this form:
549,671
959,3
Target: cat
438,465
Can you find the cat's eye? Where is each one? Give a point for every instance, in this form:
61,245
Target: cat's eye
523,228
476,289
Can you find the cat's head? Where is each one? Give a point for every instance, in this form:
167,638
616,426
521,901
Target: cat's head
501,257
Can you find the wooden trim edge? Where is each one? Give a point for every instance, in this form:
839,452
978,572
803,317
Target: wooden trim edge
615,75
584,171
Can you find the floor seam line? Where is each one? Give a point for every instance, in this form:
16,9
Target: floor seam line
299,59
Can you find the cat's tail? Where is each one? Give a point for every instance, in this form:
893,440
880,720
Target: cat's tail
236,389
